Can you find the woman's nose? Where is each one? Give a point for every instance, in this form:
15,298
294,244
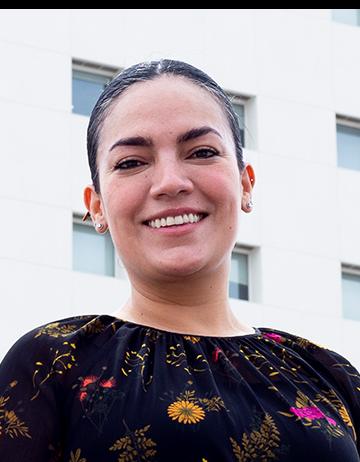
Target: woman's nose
170,178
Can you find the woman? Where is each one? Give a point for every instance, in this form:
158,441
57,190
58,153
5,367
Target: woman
173,374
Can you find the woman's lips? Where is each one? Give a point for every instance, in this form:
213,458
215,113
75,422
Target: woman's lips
177,230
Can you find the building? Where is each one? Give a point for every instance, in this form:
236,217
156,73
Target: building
294,76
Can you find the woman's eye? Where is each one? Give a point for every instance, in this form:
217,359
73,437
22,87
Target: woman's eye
205,153
127,164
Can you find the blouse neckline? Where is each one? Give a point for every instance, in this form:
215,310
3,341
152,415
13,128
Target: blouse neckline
256,332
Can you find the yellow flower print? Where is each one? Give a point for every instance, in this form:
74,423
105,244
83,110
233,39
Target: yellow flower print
185,412
192,338
345,416
330,398
263,443
135,445
56,329
10,424
77,456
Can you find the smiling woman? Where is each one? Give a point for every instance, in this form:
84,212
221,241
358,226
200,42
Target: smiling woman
172,374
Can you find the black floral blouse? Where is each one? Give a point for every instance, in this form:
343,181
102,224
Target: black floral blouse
96,388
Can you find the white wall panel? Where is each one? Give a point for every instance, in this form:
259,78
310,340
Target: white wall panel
301,282
296,130
36,233
35,154
345,69
35,76
293,58
46,29
298,206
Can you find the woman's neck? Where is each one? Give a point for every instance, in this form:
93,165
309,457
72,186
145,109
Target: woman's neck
190,309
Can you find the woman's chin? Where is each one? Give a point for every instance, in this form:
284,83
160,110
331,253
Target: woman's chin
180,267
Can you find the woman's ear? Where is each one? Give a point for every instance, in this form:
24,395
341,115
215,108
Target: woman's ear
92,201
247,182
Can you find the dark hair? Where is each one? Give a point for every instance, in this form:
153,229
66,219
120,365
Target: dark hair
148,71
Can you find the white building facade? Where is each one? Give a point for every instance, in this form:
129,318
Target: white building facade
295,72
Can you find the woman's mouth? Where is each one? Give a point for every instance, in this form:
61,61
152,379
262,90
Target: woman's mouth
179,224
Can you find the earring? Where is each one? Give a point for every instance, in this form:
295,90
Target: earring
250,204
86,216
99,225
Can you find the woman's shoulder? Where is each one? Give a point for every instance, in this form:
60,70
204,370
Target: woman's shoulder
303,345
58,335
333,366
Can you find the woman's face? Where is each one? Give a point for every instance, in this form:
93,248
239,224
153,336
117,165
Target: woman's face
166,144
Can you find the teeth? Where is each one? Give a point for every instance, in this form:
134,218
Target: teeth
178,220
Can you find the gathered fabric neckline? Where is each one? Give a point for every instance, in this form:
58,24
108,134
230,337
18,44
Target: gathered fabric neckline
256,332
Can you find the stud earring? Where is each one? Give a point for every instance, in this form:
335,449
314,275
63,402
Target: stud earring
99,225
250,204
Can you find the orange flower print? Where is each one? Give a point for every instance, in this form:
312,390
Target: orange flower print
86,381
186,412
108,383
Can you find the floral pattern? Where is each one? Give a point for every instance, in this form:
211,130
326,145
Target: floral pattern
97,395
135,446
76,457
10,424
99,388
311,416
187,408
262,443
186,412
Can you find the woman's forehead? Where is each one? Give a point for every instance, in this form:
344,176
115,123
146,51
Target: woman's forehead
165,98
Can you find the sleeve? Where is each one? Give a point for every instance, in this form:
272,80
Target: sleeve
30,428
346,379
340,374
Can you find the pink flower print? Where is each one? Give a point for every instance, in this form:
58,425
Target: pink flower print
216,354
312,413
276,337
331,421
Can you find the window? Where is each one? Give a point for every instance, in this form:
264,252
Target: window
88,82
347,16
92,252
348,143
351,292
238,105
239,275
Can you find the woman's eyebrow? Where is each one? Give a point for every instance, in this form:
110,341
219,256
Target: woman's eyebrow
132,141
183,138
196,133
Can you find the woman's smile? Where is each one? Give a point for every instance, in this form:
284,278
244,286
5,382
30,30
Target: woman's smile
177,229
